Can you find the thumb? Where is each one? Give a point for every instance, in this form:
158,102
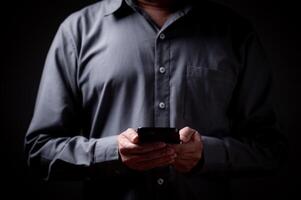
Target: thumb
186,134
132,135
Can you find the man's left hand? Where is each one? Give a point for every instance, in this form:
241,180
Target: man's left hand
189,152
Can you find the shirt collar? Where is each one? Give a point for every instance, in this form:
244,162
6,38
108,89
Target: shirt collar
112,5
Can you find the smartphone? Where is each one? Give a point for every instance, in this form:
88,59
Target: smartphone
158,134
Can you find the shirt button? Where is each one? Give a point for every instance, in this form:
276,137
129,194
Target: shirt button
160,181
162,36
161,105
162,70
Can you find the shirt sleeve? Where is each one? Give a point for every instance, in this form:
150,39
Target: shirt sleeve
254,144
54,143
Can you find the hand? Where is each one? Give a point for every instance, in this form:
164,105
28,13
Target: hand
143,156
190,151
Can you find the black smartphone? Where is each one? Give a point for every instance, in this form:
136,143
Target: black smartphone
158,134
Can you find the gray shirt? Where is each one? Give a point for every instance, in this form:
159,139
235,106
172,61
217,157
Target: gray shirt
111,68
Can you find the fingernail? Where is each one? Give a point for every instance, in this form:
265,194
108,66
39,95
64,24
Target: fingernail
135,139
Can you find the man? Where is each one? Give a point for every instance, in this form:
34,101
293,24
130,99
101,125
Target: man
122,64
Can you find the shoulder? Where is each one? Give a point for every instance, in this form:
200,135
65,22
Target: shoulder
85,18
85,15
222,21
222,16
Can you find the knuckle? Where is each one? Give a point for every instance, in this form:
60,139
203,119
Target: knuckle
127,131
186,128
131,131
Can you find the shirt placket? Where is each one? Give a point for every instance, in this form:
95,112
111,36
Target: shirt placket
162,80
162,71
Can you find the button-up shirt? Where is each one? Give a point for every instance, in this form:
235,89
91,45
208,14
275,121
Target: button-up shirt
110,67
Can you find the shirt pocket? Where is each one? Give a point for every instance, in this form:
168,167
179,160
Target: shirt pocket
207,95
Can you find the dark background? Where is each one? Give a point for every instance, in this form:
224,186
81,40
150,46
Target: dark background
29,28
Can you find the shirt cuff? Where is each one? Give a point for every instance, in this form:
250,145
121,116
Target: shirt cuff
106,149
215,154
107,162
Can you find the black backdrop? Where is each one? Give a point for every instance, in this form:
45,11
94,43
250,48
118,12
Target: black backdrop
29,28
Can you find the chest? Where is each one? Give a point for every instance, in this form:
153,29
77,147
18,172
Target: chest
131,53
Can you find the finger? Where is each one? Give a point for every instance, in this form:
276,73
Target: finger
136,160
176,147
167,152
160,162
129,148
188,150
186,162
131,135
197,137
183,148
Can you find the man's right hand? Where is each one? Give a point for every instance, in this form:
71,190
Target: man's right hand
143,156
